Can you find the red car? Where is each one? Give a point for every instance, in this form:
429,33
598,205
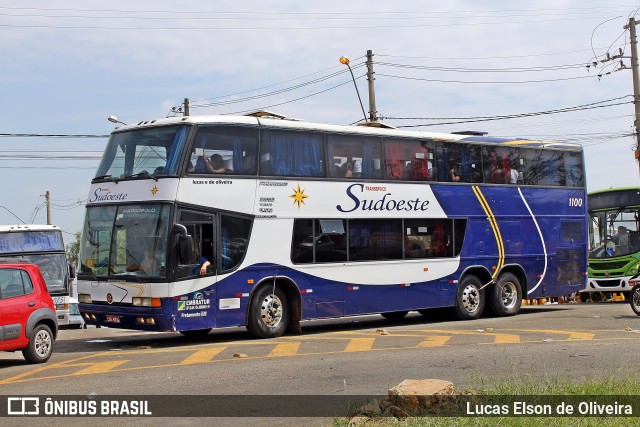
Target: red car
27,314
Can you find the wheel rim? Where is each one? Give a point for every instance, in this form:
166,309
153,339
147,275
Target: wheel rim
470,298
635,299
271,310
508,294
42,343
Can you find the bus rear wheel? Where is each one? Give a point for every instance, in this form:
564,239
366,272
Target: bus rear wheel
470,298
268,313
505,296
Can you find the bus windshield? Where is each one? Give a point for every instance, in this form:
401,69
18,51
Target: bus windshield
125,240
614,233
153,151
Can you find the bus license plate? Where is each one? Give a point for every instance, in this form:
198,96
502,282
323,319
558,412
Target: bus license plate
112,319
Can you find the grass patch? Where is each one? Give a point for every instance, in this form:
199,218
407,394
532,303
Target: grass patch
589,390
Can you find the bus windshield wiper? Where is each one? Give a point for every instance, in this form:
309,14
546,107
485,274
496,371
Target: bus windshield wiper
128,276
102,177
144,174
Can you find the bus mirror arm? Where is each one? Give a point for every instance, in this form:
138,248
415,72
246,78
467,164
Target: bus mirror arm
180,230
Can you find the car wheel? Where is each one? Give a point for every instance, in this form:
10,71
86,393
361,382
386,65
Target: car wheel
40,346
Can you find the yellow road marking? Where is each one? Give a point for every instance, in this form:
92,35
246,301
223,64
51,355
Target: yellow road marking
285,349
498,337
286,346
360,344
202,356
434,341
100,367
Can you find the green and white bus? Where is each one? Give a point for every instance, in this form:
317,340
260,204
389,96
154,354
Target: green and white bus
614,240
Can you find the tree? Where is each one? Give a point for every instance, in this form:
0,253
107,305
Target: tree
73,251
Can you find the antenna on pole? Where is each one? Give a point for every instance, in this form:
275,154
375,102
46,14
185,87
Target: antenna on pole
344,60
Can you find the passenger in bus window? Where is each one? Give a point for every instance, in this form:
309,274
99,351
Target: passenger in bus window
204,263
348,172
454,173
516,177
215,164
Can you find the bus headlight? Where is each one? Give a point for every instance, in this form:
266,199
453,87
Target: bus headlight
84,298
146,302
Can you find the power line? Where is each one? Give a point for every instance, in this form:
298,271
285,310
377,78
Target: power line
272,93
483,70
487,82
459,120
271,85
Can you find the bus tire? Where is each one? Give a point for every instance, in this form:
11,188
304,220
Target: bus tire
268,313
505,296
395,315
470,298
40,346
196,333
634,299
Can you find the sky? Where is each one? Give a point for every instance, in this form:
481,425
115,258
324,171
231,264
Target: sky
439,66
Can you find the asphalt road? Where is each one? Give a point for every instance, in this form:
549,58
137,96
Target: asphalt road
364,355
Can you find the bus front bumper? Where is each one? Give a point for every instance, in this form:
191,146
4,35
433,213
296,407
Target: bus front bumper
126,317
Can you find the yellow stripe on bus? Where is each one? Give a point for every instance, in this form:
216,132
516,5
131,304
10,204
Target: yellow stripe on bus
494,226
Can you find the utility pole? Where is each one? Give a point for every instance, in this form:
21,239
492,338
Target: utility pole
373,114
186,107
636,84
47,198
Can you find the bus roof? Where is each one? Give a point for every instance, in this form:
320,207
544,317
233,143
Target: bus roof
614,198
277,122
27,227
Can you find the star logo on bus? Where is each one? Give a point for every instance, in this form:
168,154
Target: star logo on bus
154,190
298,196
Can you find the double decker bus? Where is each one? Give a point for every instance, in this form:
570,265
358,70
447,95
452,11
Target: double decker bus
614,240
43,246
194,223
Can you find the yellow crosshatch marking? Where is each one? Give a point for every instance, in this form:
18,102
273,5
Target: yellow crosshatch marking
300,346
298,196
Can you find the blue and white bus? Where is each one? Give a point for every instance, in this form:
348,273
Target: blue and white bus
42,245
194,223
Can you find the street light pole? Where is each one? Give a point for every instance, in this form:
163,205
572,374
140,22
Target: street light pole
344,60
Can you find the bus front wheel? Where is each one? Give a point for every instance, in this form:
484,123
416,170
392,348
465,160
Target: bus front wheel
269,313
505,296
470,298
634,299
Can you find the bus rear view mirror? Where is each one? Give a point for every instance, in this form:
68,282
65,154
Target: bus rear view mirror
185,244
185,249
